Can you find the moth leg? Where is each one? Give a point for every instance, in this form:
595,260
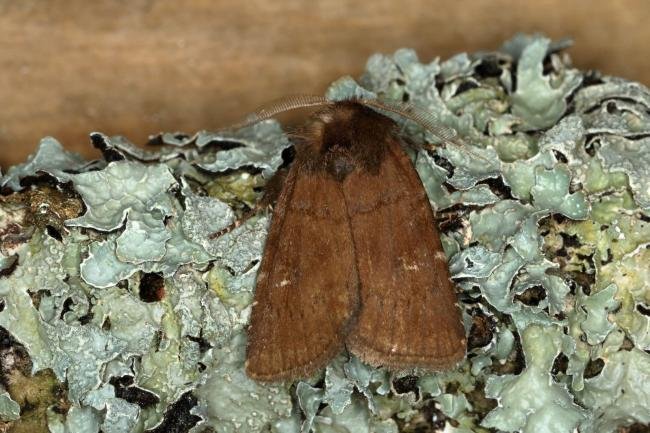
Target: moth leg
238,222
273,188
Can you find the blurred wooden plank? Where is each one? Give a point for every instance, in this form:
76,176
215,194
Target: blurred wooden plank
139,67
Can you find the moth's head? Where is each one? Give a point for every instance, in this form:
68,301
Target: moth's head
348,124
348,134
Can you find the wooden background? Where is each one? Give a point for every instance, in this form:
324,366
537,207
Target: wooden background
142,66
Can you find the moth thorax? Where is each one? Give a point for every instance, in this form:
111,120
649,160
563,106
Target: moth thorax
339,163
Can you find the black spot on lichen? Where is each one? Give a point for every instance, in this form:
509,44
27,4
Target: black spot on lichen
609,258
406,384
498,187
482,330
560,365
465,86
67,306
86,318
570,241
6,339
178,418
202,342
451,219
152,287
444,163
643,309
108,152
157,340
124,389
560,156
490,66
106,325
9,269
53,233
593,368
591,78
532,296
37,295
611,107
592,143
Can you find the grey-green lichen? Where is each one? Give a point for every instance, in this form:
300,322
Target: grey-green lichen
108,274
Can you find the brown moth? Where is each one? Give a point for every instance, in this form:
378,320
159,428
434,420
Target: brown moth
353,258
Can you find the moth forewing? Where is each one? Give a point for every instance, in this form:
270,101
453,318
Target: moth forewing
302,310
408,316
